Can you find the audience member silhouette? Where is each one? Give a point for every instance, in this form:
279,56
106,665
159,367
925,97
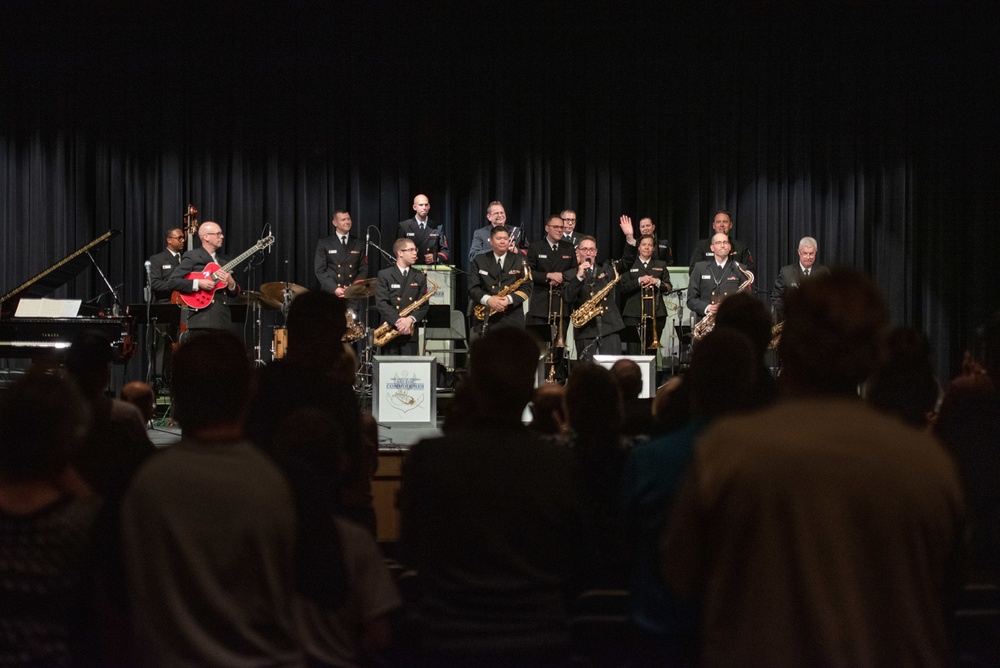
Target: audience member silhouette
637,415
209,528
140,395
746,314
492,519
721,381
548,418
904,383
819,531
47,600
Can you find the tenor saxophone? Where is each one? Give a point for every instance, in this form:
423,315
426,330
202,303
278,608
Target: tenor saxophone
707,324
594,306
386,332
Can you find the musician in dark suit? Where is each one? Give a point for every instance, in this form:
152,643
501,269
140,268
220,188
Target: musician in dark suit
569,227
722,223
711,280
162,265
647,273
552,261
397,287
216,315
599,335
661,247
432,245
340,259
496,215
491,273
792,275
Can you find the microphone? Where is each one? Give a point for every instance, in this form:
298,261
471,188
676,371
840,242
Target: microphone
148,265
368,234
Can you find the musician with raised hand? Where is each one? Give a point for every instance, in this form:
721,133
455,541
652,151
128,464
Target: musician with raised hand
552,261
216,314
641,289
499,284
713,279
398,287
590,294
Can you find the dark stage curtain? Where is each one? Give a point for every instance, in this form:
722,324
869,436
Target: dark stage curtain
868,128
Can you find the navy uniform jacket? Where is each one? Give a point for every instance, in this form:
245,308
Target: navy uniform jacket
663,251
702,287
429,240
789,278
578,291
161,266
339,266
632,295
738,251
393,294
487,279
481,240
543,260
216,315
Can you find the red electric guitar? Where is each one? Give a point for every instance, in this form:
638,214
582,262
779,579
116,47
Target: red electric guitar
202,298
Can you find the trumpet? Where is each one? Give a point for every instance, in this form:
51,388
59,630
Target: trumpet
648,293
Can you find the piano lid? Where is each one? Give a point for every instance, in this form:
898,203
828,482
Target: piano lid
56,276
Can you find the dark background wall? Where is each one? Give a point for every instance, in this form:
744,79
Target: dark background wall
871,127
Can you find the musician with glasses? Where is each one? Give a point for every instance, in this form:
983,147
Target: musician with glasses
593,288
792,275
568,217
216,315
711,280
552,261
400,286
496,215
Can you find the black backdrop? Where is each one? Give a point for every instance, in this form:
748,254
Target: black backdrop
872,128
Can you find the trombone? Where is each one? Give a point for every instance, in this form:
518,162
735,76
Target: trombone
555,319
648,294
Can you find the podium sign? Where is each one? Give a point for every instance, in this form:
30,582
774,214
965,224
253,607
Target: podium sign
404,390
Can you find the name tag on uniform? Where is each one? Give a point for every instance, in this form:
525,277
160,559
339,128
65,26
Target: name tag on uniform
166,266
706,277
332,251
484,272
411,234
394,286
543,257
636,270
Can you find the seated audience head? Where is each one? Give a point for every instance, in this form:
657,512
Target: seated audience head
547,415
671,406
211,383
89,360
744,313
502,367
43,421
140,395
316,324
904,383
723,374
593,403
628,376
834,325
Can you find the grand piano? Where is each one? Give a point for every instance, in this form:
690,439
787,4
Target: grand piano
28,337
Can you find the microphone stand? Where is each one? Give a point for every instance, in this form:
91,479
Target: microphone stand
150,326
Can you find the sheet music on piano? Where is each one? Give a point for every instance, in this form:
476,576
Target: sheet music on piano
48,308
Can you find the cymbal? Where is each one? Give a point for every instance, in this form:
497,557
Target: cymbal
250,296
276,291
361,289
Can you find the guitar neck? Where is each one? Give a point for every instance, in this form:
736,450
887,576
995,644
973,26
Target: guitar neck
259,246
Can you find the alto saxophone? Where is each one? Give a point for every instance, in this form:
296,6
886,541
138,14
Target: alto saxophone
594,306
386,332
707,324
480,310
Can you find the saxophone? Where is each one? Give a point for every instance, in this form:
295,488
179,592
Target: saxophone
386,332
480,310
594,307
707,324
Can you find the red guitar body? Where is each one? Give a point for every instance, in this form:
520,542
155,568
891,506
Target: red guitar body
202,298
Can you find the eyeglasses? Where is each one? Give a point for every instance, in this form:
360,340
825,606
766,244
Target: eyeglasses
587,250
569,220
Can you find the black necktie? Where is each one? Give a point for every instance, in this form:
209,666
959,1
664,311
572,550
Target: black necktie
343,240
807,272
421,226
